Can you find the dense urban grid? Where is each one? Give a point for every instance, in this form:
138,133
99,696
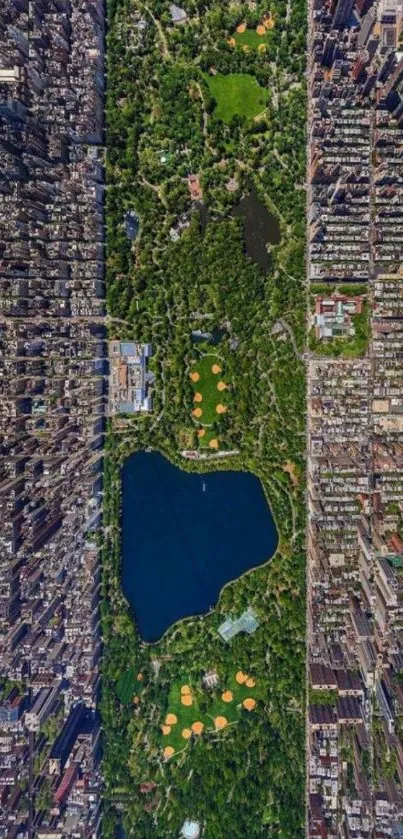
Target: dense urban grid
355,415
52,335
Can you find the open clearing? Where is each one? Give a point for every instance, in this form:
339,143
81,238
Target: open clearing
222,707
249,38
238,94
210,392
128,684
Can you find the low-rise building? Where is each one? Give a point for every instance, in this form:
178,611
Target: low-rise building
129,378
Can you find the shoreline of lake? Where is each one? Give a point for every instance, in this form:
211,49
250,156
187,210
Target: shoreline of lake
261,227
165,537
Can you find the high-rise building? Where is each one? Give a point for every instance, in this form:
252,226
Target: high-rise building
366,27
360,64
387,66
330,49
389,93
342,14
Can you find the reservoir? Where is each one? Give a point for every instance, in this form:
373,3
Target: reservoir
260,228
185,535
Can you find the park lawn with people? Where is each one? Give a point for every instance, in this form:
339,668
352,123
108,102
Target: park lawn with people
210,439
126,686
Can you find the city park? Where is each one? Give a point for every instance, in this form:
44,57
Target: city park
195,708
177,100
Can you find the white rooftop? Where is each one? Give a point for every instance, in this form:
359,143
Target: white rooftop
190,829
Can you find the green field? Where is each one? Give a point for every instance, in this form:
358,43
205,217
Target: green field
126,686
207,387
210,434
238,94
206,706
250,38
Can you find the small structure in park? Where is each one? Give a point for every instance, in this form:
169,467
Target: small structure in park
178,15
210,679
129,379
180,225
195,189
232,185
247,622
190,829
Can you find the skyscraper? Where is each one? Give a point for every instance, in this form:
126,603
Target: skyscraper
342,14
367,27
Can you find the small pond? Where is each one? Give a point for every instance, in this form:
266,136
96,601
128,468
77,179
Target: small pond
132,225
185,535
261,228
213,338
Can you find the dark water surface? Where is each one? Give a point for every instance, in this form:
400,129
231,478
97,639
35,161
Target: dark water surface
261,228
132,225
213,338
186,535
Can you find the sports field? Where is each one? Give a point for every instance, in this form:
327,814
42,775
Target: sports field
250,38
184,718
210,391
129,684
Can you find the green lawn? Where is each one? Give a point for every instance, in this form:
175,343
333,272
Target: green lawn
207,387
126,686
205,708
210,434
238,94
250,38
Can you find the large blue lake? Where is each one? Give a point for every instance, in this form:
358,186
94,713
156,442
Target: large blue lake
186,535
